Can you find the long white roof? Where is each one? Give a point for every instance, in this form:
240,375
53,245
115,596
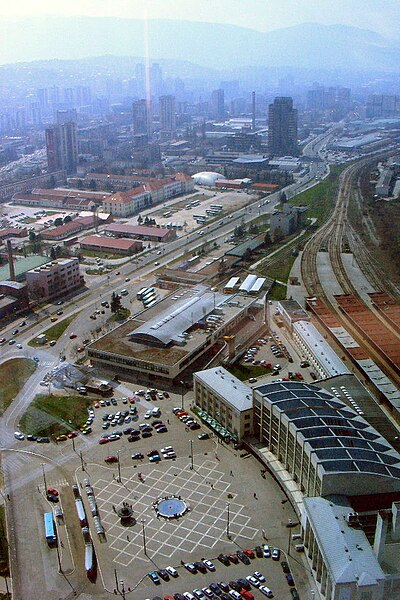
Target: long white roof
235,392
318,346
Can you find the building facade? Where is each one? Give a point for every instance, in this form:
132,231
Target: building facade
62,147
54,280
168,114
282,128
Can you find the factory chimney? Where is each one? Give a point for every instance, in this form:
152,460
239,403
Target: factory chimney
11,261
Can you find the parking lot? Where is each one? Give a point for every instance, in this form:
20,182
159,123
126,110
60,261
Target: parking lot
231,507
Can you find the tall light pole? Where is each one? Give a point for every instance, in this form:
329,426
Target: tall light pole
182,393
228,535
144,537
191,455
119,468
44,477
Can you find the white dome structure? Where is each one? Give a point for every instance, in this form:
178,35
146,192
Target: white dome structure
207,178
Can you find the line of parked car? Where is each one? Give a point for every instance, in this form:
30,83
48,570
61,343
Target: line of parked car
187,419
237,589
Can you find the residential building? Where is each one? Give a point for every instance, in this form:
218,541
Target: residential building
62,231
101,243
13,298
218,105
286,221
125,204
54,280
167,114
282,128
226,399
141,118
62,147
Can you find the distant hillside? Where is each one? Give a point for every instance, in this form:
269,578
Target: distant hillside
309,46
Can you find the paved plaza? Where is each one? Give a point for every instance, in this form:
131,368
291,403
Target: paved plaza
206,490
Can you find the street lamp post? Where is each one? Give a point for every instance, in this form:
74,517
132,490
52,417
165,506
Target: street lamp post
44,476
228,535
144,537
119,468
191,455
182,393
82,463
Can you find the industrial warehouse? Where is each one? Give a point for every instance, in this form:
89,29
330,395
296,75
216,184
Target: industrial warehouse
159,344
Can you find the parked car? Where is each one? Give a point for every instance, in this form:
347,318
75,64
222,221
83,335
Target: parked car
111,459
154,577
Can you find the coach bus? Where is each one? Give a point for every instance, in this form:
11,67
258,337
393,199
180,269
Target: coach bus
50,529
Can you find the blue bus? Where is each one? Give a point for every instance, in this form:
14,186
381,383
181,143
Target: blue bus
50,529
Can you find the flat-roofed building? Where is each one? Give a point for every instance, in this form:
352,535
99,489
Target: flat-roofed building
141,232
161,343
226,399
101,243
13,298
317,351
291,311
56,278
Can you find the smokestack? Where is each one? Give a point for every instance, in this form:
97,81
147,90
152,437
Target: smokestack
253,120
11,261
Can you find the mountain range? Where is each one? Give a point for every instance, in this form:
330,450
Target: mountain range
224,46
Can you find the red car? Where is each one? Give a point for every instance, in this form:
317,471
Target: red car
72,434
72,336
249,552
132,400
111,459
52,491
104,440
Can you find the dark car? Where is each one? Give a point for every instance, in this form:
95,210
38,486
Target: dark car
258,551
200,566
235,585
285,567
138,456
214,588
225,596
146,434
244,584
193,426
289,579
133,438
179,596
43,440
128,431
223,559
242,556
163,574
52,498
233,558
162,429
157,422
224,586
31,438
295,593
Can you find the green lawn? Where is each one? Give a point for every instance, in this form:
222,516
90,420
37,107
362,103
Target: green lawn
96,253
280,270
55,331
13,375
278,292
320,198
4,563
50,415
244,372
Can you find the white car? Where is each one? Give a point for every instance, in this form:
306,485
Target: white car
210,565
148,414
207,592
18,435
259,576
266,591
267,551
173,572
251,579
167,449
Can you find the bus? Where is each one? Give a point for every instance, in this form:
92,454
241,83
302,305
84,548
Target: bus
167,214
152,303
199,217
148,300
140,293
147,293
50,529
216,206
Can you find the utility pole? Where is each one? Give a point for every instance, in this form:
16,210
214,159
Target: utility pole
82,463
191,455
44,477
228,535
119,468
144,537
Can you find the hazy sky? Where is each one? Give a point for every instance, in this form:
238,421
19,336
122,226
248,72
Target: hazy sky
378,15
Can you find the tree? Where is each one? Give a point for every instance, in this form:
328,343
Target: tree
52,182
67,219
32,236
267,239
246,255
58,222
283,198
115,304
140,219
92,185
53,254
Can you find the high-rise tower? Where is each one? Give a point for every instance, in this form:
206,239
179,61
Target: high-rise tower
282,128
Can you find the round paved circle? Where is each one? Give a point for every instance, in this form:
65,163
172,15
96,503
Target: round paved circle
171,508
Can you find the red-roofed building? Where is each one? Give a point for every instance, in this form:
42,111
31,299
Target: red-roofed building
125,204
63,231
141,232
100,243
10,232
